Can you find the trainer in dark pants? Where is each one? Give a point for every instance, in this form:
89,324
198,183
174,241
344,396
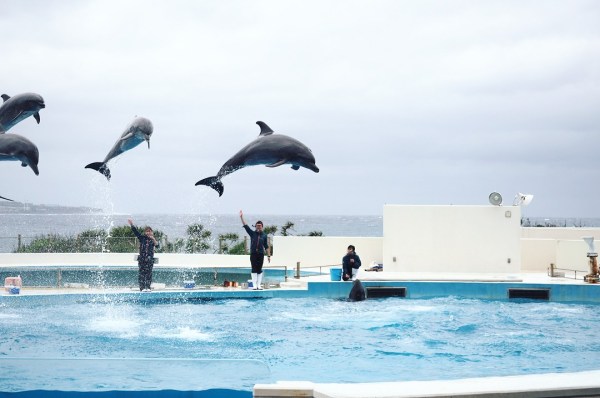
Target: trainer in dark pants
259,245
146,257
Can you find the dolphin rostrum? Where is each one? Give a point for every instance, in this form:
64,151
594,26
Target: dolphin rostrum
16,147
19,107
10,200
269,149
138,131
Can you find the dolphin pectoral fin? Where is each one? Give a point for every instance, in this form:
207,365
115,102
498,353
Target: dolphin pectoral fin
10,200
264,129
36,116
5,97
100,167
213,182
276,164
295,167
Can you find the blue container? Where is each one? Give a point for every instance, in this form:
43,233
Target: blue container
336,274
14,290
189,284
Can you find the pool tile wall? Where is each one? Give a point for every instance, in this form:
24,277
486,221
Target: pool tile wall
589,293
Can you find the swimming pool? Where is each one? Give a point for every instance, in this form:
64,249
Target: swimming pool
201,344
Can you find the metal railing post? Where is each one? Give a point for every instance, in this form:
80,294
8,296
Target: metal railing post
297,276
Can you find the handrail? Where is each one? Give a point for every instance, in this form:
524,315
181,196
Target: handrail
550,271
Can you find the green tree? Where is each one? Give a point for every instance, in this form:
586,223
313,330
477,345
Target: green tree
198,239
122,240
270,229
91,241
286,227
226,241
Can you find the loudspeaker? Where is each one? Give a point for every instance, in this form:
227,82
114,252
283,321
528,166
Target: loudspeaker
495,198
590,242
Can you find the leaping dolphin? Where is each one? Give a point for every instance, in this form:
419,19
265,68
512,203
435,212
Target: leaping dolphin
19,107
269,149
138,131
16,147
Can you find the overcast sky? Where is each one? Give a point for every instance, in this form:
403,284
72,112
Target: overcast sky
401,102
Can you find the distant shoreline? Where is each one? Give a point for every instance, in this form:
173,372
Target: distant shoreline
30,208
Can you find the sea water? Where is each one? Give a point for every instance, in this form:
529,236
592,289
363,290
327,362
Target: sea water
236,343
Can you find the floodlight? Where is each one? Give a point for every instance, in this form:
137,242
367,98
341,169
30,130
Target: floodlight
522,199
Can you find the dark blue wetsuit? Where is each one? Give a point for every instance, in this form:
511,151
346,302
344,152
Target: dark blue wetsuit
347,266
258,244
145,259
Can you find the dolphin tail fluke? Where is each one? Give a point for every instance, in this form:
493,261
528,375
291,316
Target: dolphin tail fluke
213,182
100,167
36,116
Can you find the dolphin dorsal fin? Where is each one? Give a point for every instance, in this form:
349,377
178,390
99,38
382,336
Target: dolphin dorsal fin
5,97
264,129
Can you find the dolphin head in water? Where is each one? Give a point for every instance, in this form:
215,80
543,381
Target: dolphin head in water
19,107
357,293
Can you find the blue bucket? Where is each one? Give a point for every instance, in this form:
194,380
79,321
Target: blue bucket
336,274
189,284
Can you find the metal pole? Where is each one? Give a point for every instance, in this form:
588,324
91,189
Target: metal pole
297,276
19,242
285,273
59,278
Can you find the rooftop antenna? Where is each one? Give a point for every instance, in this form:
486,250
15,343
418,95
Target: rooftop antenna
522,199
495,198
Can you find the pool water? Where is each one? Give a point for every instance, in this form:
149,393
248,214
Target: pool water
237,343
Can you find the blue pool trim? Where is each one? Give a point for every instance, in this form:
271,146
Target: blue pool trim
212,393
584,293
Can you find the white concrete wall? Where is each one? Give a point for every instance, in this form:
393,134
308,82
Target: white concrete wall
537,254
570,233
572,254
564,247
483,239
314,251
